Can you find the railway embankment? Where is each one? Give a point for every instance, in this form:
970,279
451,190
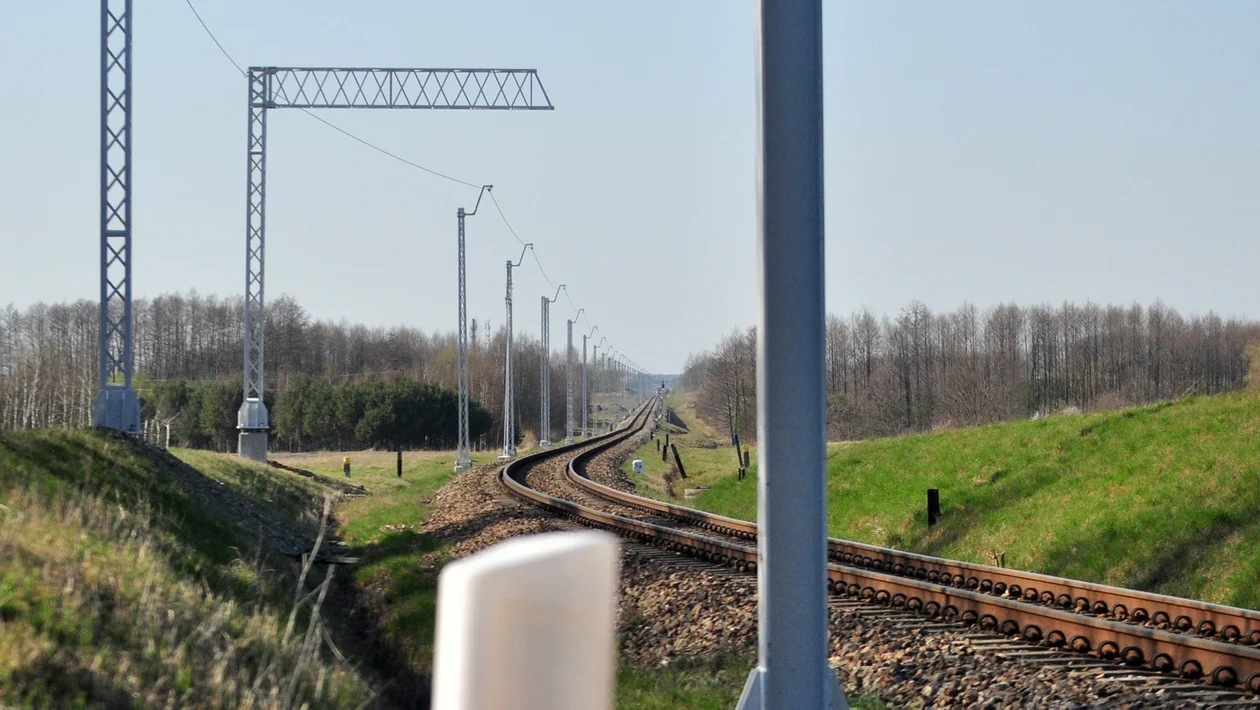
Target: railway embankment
1159,497
131,579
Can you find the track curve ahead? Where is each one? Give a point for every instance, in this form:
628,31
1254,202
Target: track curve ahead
1168,634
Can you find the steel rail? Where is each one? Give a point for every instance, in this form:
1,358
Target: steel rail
1225,663
1226,623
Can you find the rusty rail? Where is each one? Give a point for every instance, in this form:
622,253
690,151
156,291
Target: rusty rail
1008,601
1224,623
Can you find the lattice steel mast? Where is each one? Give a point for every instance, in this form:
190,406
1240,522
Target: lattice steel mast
544,436
585,433
568,382
312,88
116,405
595,359
464,458
509,394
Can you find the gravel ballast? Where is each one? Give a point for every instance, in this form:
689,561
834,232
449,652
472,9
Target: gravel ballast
677,611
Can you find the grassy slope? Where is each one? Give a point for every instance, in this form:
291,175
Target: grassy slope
117,588
708,456
384,528
1161,497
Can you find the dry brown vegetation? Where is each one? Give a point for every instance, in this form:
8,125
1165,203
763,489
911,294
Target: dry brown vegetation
117,591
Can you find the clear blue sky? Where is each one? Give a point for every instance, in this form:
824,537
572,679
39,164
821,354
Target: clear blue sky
979,151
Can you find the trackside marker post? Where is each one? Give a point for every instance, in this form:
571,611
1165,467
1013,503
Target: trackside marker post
529,624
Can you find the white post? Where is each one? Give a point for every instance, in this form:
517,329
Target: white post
529,624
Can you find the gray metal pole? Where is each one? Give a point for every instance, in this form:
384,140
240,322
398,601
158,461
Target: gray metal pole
585,401
509,436
568,386
463,460
583,434
792,669
116,405
544,439
544,409
252,417
509,393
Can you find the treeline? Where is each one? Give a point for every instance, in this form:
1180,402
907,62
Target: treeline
49,361
920,370
312,414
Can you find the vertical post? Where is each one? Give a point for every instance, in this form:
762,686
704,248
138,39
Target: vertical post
568,387
509,433
933,506
251,419
584,432
792,669
464,458
544,423
116,405
400,460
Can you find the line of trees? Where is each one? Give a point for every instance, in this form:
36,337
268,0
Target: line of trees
313,414
49,361
920,370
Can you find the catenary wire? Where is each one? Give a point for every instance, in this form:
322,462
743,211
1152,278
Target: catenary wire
214,39
397,157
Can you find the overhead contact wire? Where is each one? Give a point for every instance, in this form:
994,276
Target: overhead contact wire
400,159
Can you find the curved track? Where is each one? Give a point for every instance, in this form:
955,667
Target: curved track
1168,634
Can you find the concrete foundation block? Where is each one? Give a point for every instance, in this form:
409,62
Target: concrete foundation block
252,445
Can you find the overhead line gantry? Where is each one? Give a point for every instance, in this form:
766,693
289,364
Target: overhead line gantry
345,88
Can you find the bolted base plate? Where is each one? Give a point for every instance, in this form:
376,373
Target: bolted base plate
252,445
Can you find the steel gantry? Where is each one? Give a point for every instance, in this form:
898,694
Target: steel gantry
316,88
568,381
544,423
585,403
116,405
463,460
509,394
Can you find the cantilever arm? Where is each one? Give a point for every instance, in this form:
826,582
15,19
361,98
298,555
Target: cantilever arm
484,190
524,249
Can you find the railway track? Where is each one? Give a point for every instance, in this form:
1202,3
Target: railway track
1205,643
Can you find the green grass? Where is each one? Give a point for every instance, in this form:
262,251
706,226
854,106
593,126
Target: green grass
1161,497
707,455
715,687
704,688
117,589
399,562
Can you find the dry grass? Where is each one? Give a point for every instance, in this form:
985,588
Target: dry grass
105,603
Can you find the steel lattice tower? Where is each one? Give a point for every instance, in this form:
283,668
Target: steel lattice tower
509,394
585,405
345,88
596,363
544,436
116,405
568,384
544,411
463,459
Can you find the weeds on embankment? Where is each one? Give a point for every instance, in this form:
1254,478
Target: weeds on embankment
117,590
